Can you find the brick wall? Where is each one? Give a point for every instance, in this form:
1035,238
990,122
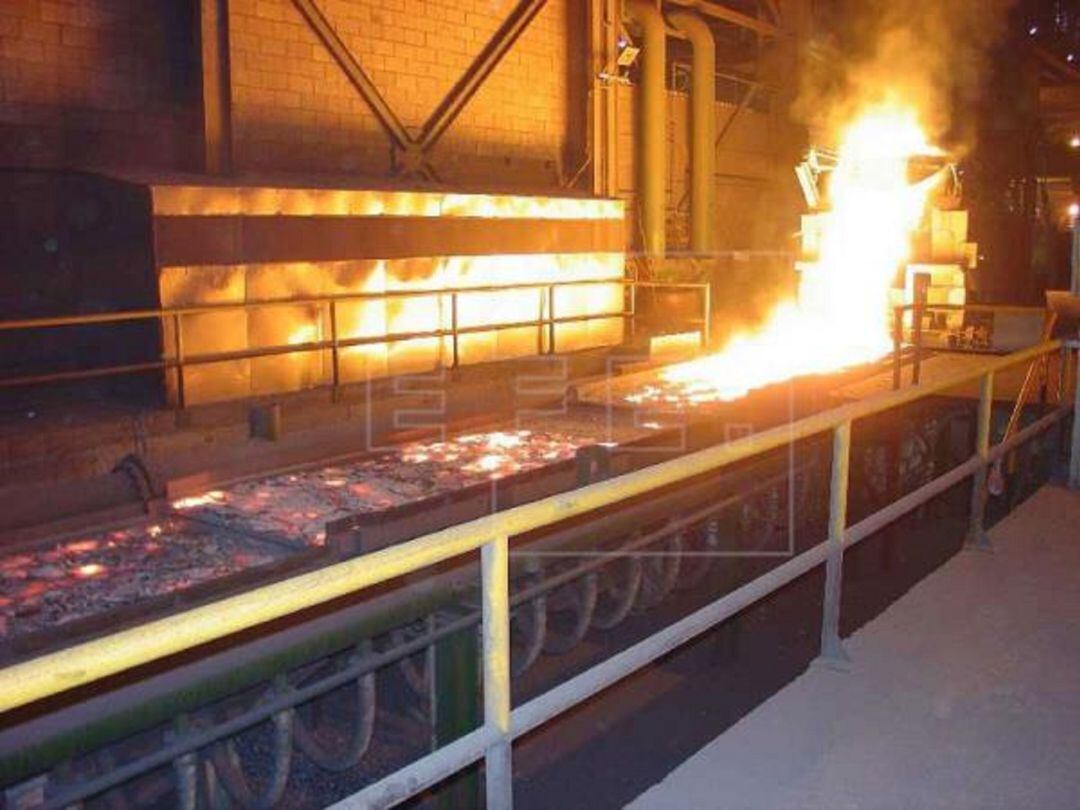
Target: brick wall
91,83
294,109
99,82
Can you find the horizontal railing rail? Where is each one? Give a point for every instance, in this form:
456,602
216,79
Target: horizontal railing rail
91,318
177,360
57,672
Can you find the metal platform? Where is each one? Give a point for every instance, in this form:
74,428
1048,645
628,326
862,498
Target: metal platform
960,695
944,366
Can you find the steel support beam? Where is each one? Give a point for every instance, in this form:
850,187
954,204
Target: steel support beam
473,78
216,86
400,137
410,154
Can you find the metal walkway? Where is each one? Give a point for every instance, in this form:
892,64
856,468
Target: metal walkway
964,694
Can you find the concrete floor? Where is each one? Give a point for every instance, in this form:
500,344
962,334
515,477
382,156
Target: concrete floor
963,694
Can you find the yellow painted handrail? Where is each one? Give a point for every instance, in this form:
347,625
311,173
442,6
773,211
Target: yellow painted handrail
50,674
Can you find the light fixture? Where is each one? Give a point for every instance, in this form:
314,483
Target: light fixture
1074,210
1074,141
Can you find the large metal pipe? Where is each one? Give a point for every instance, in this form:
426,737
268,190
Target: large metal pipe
703,128
652,125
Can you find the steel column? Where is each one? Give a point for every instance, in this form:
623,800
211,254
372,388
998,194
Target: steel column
603,132
652,126
495,573
977,538
216,86
832,649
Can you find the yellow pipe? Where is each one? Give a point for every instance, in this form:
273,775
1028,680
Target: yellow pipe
703,128
90,661
652,125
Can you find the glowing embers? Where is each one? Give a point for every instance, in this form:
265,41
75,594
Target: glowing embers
81,577
298,505
497,454
213,496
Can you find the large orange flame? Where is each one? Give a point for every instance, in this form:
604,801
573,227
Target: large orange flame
841,315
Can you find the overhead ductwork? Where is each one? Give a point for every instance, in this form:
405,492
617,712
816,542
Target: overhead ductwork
703,128
652,121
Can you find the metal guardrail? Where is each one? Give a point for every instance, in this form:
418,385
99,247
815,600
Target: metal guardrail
921,306
545,323
51,674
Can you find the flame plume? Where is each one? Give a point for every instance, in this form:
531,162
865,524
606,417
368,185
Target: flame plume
840,317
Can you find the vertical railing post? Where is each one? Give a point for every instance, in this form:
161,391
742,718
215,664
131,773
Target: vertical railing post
498,777
454,357
541,299
178,350
977,538
832,649
921,291
1074,452
551,319
335,368
1063,374
707,331
898,347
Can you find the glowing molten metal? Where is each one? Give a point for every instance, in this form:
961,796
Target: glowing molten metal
841,316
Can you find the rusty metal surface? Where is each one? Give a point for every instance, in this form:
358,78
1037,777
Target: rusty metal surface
215,240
